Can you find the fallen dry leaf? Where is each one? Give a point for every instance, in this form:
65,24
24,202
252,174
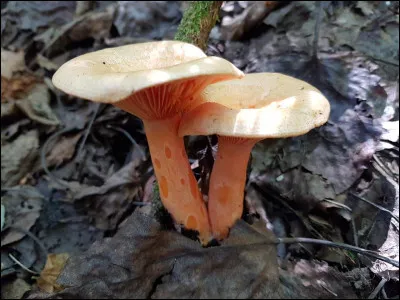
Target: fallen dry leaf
18,157
36,106
143,260
54,265
17,87
11,62
108,203
63,150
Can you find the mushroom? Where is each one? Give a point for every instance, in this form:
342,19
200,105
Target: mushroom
242,112
157,82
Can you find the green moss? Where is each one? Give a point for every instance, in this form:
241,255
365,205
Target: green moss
197,22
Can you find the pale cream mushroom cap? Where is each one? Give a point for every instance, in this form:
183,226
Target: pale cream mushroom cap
285,107
113,74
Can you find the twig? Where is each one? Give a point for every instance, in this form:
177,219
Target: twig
376,205
79,156
316,29
353,226
323,284
338,245
392,63
130,138
339,204
21,265
281,200
96,108
140,203
32,236
377,289
43,155
384,293
352,222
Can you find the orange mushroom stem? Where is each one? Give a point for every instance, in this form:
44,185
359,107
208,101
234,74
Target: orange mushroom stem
178,186
227,182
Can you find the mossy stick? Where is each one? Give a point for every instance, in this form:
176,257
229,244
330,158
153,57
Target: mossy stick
197,22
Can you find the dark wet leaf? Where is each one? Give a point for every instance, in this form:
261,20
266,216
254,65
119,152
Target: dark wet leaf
376,229
23,206
35,15
27,252
308,191
108,203
14,289
314,279
94,25
345,149
140,255
384,31
152,19
361,279
360,82
235,28
144,261
8,111
276,16
62,230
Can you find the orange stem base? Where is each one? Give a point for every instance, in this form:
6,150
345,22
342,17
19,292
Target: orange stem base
178,187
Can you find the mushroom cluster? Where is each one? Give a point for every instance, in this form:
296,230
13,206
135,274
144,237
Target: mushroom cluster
177,90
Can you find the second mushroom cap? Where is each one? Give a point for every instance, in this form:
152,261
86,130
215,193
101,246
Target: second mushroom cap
243,112
260,105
